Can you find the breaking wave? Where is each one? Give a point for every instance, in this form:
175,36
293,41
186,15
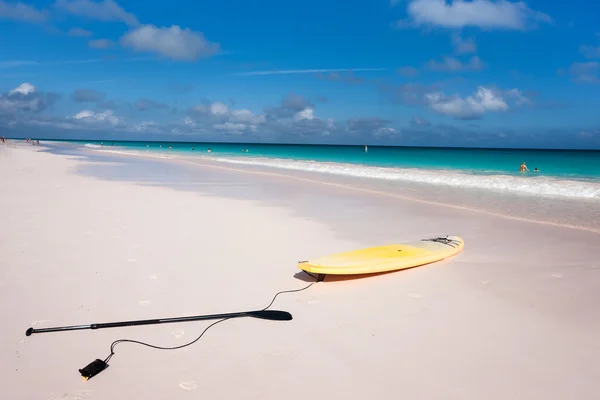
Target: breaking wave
530,185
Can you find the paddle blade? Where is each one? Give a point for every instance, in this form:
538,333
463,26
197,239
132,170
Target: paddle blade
273,315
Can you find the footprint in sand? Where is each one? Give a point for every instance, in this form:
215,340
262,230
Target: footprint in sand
39,322
415,295
144,302
557,276
313,302
485,282
153,277
178,333
188,385
132,260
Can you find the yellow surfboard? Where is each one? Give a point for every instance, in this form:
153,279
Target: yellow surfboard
385,258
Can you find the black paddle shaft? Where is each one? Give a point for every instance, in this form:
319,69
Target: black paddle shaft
273,315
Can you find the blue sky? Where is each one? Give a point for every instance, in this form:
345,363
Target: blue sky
405,72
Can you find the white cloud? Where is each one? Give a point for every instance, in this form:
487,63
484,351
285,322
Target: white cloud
587,72
146,126
173,42
100,43
520,99
24,89
220,117
294,116
84,114
21,12
307,113
26,98
218,108
488,14
246,117
106,10
471,107
200,108
94,117
234,127
454,64
384,132
78,32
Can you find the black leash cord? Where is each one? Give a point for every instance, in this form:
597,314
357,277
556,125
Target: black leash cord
112,346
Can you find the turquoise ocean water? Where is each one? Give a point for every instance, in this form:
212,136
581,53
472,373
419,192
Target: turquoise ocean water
572,174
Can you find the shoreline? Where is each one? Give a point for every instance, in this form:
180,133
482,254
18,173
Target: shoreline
425,193
403,197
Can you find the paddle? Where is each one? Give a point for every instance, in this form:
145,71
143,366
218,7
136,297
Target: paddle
272,315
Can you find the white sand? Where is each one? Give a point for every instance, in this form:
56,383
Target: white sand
514,316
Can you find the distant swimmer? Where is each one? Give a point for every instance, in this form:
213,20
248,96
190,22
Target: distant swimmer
536,170
192,148
366,149
209,150
523,167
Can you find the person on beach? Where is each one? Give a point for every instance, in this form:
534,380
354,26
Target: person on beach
523,167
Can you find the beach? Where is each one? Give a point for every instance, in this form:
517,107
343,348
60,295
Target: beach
98,237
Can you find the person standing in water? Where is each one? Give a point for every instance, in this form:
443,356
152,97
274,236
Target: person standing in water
523,167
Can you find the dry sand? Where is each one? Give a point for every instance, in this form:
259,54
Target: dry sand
514,316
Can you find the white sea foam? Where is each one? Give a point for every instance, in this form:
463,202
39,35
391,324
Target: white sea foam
93,146
537,185
130,152
529,185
